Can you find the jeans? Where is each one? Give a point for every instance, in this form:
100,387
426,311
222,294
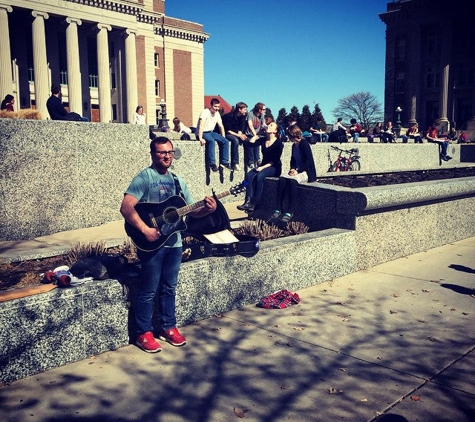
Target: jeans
255,183
223,145
356,137
251,153
443,145
320,137
417,139
159,277
234,143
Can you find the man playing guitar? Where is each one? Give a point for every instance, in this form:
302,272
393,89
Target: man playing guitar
159,266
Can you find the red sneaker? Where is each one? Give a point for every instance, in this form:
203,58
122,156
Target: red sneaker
173,337
147,342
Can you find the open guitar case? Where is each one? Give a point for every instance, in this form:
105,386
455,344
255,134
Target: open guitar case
215,222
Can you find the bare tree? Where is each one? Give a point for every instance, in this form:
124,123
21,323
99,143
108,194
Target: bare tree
363,106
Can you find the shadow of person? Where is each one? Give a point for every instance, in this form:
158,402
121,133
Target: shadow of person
458,289
462,268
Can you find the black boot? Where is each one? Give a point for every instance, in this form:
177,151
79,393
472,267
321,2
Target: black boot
245,206
251,206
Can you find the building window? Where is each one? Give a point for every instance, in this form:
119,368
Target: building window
401,50
157,88
400,83
156,60
93,81
111,50
465,75
113,81
114,112
432,77
92,62
63,77
31,74
433,43
62,58
463,38
157,116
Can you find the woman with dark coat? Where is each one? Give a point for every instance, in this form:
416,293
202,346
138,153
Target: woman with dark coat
302,170
271,166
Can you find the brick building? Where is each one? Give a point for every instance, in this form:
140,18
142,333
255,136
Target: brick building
430,62
108,56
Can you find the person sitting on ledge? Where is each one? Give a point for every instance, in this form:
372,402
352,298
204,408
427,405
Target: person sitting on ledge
7,103
302,170
56,109
413,133
433,136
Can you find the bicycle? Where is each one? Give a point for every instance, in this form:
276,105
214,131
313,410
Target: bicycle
347,160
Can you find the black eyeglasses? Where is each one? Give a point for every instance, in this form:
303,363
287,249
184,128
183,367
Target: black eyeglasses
165,153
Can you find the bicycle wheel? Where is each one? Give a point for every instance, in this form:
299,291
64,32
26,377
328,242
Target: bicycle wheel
355,165
332,168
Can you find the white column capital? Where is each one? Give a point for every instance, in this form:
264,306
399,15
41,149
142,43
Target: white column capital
129,31
100,26
74,20
36,13
9,9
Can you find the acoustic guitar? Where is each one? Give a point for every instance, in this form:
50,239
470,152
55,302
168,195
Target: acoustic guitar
167,217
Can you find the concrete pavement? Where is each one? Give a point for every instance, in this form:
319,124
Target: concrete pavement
392,343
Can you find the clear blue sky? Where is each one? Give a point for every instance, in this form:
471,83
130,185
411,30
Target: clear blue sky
290,52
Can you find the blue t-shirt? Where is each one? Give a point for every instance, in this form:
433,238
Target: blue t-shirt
151,186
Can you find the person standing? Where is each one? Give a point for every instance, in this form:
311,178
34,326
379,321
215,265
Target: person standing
271,166
159,268
235,126
139,116
7,103
302,170
207,122
256,126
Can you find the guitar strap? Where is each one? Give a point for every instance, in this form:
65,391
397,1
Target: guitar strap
178,190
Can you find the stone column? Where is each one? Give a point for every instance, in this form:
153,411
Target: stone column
74,72
6,77
103,64
40,64
444,93
131,73
412,118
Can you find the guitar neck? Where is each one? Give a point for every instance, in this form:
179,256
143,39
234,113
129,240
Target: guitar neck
192,207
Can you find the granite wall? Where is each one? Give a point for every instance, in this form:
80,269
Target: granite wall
47,330
404,218
57,176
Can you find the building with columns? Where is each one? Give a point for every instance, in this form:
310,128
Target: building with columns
430,62
108,56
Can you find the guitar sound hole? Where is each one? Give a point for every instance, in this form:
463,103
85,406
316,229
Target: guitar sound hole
170,216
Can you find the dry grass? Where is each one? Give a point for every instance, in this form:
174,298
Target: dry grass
263,231
24,113
84,250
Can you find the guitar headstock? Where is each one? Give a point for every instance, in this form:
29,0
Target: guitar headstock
237,189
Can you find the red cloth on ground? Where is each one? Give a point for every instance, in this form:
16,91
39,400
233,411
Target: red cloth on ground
279,300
